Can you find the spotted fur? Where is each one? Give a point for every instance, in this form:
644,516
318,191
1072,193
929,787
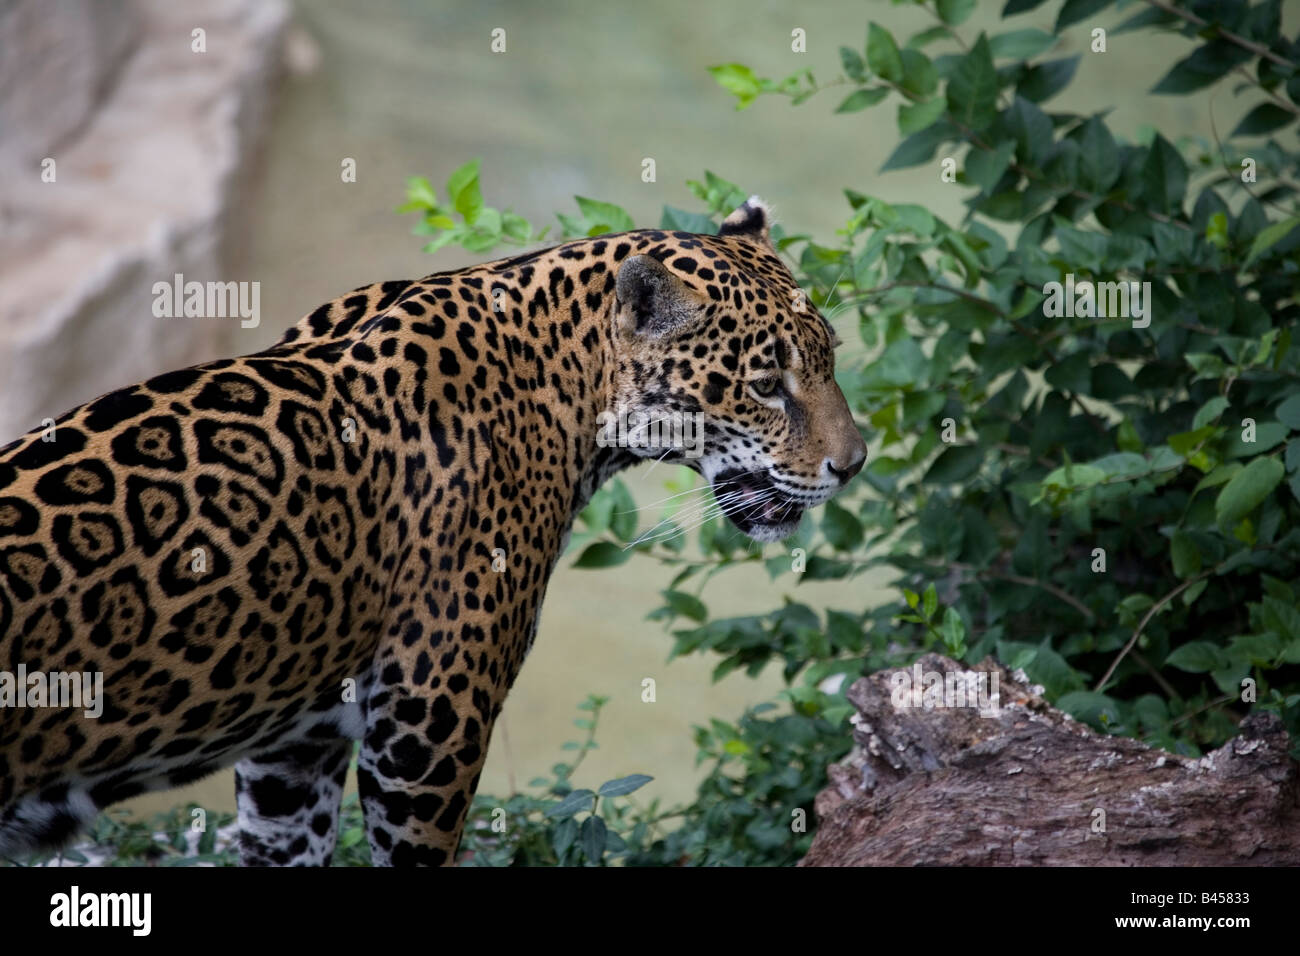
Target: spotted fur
349,489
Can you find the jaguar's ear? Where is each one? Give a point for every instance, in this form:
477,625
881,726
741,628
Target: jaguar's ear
652,301
752,220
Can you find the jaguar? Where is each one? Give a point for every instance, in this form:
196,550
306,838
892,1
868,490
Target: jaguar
347,536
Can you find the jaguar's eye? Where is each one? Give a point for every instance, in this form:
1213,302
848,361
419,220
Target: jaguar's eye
765,387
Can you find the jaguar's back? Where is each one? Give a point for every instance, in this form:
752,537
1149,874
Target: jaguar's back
349,535
211,544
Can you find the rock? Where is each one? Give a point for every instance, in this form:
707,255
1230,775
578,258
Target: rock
61,59
150,141
1028,785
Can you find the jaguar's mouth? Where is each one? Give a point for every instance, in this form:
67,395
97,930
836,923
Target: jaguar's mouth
756,506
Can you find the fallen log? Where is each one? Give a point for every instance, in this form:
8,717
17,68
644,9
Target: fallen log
1023,784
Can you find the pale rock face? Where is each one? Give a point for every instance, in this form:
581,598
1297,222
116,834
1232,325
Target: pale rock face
150,141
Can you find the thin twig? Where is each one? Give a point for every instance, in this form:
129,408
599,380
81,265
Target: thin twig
1194,20
1151,612
1156,676
1202,709
1284,104
1046,586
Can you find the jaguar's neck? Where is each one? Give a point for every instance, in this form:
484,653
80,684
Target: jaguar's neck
510,364
556,308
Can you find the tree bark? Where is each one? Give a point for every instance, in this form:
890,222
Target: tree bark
1028,785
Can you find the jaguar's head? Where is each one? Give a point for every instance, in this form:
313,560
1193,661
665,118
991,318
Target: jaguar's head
723,360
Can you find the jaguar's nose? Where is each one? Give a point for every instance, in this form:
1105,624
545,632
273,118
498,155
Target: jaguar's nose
845,470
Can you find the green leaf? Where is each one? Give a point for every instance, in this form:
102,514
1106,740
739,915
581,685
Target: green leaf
1083,250
1210,412
681,220
599,511
930,601
1044,81
479,240
1280,617
1271,236
973,87
1164,176
1073,373
623,514
1204,66
574,802
564,835
1220,476
956,464
1020,44
594,835
953,629
918,220
624,785
603,217
1264,118
1267,435
1184,443
851,60
1205,364
1247,489
602,554
882,54
1072,11
1196,657
463,191
1288,413
1089,707
861,99
841,528
955,243
516,227
985,168
926,37
419,193
919,76
739,80
1031,129
1127,465
954,12
687,605
1098,157
1132,606
1074,477
914,117
1020,6
919,147
1051,670
901,364
1146,18
1185,555
439,221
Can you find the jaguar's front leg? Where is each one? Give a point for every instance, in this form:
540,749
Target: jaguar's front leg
428,721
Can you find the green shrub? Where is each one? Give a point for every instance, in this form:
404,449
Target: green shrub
1107,502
